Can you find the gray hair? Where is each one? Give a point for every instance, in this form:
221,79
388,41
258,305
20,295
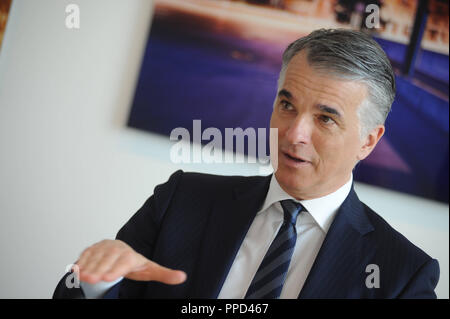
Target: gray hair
350,55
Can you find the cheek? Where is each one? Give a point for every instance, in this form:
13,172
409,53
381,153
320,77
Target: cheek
337,152
330,149
282,126
325,145
273,120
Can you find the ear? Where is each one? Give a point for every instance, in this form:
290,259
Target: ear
370,142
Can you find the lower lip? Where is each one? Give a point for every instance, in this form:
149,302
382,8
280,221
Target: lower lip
293,163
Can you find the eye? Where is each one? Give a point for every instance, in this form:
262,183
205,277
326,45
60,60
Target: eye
326,119
285,105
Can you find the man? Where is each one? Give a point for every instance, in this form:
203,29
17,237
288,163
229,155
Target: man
300,232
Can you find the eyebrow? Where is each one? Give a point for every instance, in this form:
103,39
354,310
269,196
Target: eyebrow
285,93
324,108
329,109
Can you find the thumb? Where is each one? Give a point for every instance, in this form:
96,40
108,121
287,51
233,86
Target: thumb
152,271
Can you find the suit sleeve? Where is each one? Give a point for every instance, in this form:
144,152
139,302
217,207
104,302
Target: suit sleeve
140,233
141,230
423,283
63,292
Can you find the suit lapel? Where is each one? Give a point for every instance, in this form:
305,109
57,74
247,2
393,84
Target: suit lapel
229,221
339,268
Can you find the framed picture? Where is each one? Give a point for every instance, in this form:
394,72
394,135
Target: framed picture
5,5
216,62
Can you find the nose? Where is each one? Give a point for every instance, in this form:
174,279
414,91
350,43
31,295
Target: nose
300,130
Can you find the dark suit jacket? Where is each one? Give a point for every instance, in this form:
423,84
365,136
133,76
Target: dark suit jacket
197,222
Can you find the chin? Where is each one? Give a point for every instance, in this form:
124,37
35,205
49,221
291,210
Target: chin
291,180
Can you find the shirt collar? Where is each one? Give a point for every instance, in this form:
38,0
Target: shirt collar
322,209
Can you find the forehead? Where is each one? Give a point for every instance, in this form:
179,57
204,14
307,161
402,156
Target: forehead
305,82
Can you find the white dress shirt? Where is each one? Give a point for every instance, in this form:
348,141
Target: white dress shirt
312,227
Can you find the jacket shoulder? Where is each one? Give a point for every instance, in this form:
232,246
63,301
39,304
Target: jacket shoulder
393,247
194,183
389,237
407,271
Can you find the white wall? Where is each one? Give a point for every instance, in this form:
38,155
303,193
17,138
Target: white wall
71,173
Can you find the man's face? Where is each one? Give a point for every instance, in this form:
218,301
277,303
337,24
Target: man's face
318,130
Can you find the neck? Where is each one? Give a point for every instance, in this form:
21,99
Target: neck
308,194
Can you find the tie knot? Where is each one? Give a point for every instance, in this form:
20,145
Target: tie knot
291,210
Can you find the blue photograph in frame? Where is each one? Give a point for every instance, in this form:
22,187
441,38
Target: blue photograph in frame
218,61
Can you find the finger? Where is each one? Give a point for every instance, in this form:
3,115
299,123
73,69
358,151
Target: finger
92,262
84,257
96,249
104,264
121,267
88,273
154,272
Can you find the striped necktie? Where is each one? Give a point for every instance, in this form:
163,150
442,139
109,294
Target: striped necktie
269,279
